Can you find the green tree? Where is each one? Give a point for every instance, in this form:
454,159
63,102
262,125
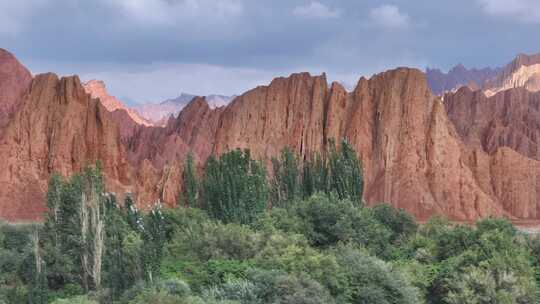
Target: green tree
116,272
371,280
74,230
398,221
262,286
75,300
154,238
483,286
235,187
345,172
286,179
191,183
315,176
338,172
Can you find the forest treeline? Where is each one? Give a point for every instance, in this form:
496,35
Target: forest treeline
239,235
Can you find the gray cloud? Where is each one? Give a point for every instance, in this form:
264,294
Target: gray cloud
519,10
315,9
151,49
389,17
169,13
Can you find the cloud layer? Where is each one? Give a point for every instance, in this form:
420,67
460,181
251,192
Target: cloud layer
316,9
389,17
151,49
519,10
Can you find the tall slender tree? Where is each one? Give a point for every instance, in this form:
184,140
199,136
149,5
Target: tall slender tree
190,189
345,172
286,178
234,187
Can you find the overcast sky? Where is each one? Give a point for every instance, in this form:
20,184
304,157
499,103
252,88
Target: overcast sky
150,50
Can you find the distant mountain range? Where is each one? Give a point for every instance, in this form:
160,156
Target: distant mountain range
457,77
159,113
523,71
156,114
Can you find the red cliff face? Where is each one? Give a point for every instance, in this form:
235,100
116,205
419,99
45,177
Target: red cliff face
160,151
503,131
510,118
14,81
127,119
57,128
413,156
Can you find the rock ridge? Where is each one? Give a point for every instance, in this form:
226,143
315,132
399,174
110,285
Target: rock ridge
415,149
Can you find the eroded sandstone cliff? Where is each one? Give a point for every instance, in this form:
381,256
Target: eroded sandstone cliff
14,81
413,156
510,118
57,128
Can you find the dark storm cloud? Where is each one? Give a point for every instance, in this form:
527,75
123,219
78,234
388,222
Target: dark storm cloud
151,49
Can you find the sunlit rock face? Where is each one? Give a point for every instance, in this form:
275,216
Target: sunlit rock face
14,81
469,157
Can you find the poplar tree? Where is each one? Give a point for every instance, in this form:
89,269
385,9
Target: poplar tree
338,172
191,184
154,237
345,178
315,176
235,187
116,274
74,230
286,179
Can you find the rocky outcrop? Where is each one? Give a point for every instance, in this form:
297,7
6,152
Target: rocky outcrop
14,81
455,159
57,128
163,150
411,154
128,120
527,77
508,119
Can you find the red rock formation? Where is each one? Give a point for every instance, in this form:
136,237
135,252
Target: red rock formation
14,81
511,118
413,156
164,150
58,128
128,120
97,89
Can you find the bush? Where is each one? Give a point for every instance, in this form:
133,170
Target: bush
210,240
325,221
242,291
272,287
75,300
398,221
371,280
175,287
480,285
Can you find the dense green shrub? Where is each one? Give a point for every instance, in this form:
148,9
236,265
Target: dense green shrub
271,287
75,300
312,241
371,280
